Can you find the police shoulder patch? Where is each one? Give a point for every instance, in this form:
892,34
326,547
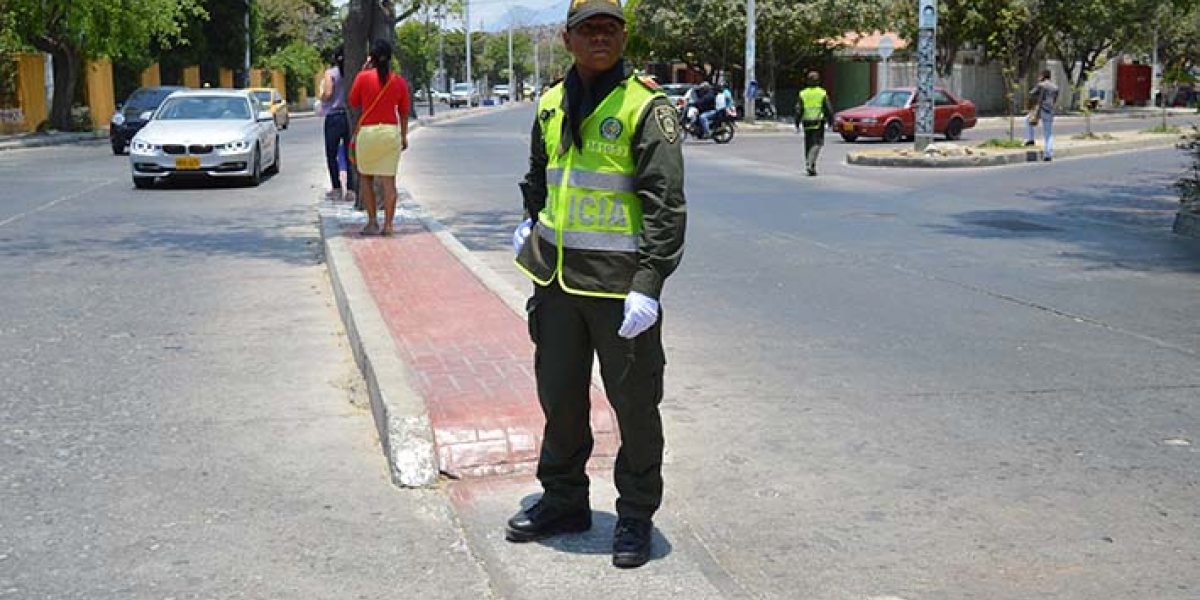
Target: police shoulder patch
667,120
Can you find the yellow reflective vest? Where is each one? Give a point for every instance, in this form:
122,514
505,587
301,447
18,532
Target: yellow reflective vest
593,216
812,102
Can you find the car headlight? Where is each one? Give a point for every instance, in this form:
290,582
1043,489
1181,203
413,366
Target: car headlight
140,146
238,145
118,119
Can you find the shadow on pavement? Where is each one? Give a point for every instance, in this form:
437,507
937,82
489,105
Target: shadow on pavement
598,539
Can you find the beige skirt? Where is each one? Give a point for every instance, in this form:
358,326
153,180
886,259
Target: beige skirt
377,149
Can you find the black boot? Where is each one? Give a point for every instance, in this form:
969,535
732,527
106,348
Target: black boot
631,542
543,521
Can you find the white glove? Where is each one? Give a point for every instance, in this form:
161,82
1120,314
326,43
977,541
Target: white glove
521,234
641,313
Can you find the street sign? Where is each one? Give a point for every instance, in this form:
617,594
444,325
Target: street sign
928,18
886,47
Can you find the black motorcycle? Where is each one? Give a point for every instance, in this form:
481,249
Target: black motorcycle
720,129
764,107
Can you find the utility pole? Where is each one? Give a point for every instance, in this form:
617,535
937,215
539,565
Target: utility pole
441,78
747,89
537,67
467,21
926,35
512,88
246,59
429,84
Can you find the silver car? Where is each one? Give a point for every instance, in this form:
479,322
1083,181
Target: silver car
212,132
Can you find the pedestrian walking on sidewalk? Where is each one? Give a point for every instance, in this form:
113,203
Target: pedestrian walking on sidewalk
605,228
382,132
337,128
813,112
1043,97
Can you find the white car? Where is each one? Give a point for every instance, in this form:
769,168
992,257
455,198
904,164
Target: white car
209,132
464,94
501,91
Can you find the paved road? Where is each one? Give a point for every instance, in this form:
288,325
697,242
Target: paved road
176,399
913,384
882,383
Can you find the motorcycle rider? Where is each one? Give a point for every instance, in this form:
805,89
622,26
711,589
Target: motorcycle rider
721,103
706,100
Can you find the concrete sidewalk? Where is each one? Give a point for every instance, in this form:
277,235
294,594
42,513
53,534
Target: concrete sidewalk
465,358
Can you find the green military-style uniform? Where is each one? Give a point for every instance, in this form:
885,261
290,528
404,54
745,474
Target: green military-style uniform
605,192
814,112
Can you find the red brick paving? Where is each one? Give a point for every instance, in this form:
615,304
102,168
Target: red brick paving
470,355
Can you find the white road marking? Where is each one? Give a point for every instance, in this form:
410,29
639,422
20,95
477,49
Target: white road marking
51,204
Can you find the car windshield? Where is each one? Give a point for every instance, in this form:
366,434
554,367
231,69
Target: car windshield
890,99
147,99
263,96
204,107
462,88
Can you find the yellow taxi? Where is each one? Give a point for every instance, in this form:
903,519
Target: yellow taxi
273,101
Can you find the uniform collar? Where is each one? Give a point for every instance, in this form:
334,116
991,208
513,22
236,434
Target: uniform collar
579,102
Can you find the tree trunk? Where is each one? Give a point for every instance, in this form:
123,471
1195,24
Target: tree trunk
68,66
366,22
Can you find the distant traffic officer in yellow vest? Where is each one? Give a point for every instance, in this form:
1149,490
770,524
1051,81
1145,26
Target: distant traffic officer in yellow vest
605,227
813,111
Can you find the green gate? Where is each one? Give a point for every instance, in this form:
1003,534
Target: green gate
851,84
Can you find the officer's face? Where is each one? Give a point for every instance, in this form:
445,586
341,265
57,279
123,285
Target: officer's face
596,44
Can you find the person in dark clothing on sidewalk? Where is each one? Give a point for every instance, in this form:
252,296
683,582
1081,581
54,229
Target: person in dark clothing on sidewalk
605,228
813,112
337,127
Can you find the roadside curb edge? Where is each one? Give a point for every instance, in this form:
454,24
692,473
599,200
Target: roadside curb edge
401,418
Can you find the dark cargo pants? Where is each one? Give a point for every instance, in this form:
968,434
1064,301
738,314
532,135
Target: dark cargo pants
569,331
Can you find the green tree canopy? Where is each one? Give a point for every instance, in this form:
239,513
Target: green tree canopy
72,31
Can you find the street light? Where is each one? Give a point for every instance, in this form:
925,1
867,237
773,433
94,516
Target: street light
246,61
467,21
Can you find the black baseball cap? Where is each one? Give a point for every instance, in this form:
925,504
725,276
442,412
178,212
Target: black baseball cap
581,10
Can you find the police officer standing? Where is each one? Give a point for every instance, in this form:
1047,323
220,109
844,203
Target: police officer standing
605,228
813,112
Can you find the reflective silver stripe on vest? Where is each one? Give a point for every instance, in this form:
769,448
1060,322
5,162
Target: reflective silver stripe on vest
609,182
590,240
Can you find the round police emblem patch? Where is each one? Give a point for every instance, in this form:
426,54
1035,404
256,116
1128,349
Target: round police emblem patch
610,128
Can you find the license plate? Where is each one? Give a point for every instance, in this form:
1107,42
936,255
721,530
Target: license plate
187,163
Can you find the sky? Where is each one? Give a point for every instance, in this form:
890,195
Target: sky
495,15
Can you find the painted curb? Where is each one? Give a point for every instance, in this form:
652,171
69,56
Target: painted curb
401,418
999,158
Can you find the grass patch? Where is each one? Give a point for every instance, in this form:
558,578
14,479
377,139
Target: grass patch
1093,136
1162,129
1002,143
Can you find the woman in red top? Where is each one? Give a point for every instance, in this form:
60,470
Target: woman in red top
382,96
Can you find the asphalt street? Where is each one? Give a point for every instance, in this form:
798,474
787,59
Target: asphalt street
180,416
913,384
882,383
